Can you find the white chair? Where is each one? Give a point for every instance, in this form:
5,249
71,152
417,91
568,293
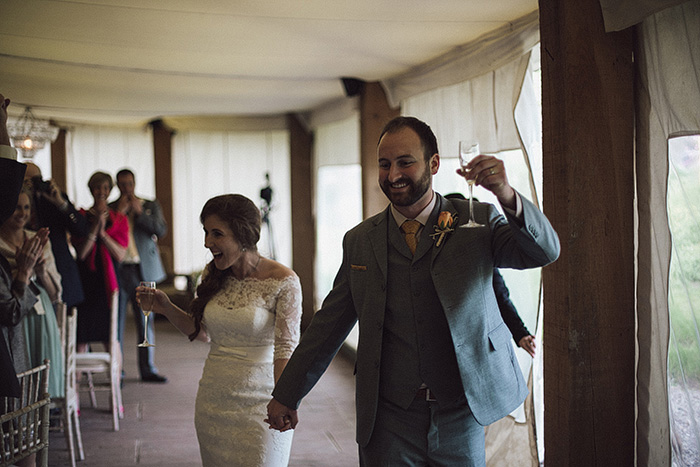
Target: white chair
24,423
68,405
108,363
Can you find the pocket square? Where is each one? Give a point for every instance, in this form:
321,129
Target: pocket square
357,267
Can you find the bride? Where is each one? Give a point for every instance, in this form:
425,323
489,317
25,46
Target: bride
249,307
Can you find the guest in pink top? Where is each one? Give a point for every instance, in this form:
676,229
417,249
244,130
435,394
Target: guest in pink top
98,256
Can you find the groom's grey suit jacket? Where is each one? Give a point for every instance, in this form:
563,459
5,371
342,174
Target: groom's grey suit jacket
462,273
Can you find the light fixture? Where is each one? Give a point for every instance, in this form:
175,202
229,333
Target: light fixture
30,134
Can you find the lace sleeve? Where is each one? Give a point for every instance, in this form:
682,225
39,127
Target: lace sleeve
288,318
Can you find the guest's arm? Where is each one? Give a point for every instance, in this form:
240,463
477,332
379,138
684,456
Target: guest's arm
47,274
85,246
117,251
11,171
16,302
4,134
510,315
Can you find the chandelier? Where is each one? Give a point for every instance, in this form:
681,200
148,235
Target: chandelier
29,134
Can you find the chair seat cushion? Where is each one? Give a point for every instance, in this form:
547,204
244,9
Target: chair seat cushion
88,360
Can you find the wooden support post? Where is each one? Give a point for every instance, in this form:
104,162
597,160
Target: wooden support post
303,222
374,114
163,161
589,294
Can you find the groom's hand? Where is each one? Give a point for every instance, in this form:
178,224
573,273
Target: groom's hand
280,417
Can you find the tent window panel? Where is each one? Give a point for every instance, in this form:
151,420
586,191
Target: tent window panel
684,299
338,209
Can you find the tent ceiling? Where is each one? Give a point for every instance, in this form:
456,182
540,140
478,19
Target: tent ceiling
129,61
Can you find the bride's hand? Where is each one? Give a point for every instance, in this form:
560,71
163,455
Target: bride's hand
280,417
161,303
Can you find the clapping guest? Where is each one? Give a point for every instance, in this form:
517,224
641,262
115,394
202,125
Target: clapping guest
53,209
15,298
40,327
141,263
99,252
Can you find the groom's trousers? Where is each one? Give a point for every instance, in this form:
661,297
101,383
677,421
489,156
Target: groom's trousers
424,435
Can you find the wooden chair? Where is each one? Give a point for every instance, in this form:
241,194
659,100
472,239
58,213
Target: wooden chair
68,405
107,363
24,423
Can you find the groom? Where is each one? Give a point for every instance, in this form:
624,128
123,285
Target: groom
434,358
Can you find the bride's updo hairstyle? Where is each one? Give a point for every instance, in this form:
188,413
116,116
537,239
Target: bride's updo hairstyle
243,218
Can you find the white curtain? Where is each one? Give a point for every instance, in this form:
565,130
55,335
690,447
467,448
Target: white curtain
211,163
669,92
466,62
108,149
338,196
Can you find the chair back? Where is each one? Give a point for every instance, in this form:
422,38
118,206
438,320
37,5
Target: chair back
61,312
24,423
71,327
115,348
108,363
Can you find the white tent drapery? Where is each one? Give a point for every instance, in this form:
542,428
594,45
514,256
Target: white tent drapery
207,164
669,90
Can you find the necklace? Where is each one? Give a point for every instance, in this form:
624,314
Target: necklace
254,268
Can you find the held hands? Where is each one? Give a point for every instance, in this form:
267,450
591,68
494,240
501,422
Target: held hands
280,417
490,173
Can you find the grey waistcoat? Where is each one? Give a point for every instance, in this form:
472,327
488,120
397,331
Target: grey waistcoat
416,346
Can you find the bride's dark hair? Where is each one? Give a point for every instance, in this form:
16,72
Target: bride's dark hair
243,218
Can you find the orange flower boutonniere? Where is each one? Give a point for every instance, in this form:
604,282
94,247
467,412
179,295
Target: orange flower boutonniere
444,226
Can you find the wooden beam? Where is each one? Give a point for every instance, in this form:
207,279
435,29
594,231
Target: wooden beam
375,112
589,293
303,223
163,161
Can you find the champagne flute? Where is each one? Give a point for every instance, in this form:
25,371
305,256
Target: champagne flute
468,150
146,298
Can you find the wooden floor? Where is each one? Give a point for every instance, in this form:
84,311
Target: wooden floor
158,425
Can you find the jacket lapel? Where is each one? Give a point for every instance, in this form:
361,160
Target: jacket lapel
443,204
378,240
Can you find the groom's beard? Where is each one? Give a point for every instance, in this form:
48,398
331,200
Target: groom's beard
414,192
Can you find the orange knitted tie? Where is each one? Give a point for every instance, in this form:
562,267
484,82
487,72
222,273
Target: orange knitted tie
409,228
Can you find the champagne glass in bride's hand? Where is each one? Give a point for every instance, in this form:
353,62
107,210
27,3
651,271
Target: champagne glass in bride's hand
468,150
146,298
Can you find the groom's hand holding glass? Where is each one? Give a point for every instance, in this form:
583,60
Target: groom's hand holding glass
490,173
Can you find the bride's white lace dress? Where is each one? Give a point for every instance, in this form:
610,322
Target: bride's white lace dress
250,322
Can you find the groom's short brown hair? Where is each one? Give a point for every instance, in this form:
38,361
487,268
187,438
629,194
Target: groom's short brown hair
424,132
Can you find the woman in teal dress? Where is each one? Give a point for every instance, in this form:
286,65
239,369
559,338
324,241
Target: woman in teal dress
41,331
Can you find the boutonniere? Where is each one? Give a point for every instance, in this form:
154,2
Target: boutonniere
444,226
